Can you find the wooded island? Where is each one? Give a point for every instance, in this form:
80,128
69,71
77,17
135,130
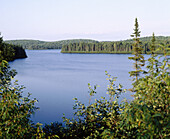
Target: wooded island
117,47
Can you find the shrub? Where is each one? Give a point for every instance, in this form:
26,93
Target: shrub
15,110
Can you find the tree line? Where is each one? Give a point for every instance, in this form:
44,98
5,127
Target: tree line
38,45
10,52
113,47
89,46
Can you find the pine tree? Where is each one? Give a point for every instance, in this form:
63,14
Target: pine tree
153,43
152,61
137,51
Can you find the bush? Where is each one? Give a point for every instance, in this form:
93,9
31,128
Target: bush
15,110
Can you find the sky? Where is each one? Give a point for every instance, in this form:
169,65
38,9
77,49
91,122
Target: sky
102,20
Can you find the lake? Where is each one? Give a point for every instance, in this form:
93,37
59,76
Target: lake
55,79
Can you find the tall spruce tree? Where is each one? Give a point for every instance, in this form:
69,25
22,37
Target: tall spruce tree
152,47
153,61
137,51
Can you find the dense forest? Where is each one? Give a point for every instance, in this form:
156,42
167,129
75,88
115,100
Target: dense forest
113,47
10,52
91,46
36,44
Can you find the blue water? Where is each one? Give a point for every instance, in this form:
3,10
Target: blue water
55,79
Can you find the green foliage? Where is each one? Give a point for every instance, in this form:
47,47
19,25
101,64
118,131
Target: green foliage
10,52
90,46
117,47
148,115
94,120
36,44
153,47
15,110
137,51
54,130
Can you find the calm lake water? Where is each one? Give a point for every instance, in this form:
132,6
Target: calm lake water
55,79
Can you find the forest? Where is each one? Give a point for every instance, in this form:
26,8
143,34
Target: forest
146,116
91,46
38,45
121,47
10,52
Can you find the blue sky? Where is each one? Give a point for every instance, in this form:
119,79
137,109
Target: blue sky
107,20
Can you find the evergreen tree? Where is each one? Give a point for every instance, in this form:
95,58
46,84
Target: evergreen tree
152,48
153,62
137,51
9,52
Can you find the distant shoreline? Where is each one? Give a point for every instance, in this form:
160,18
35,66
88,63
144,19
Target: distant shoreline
84,52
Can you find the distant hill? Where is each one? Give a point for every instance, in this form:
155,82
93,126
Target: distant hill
148,38
90,46
36,44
